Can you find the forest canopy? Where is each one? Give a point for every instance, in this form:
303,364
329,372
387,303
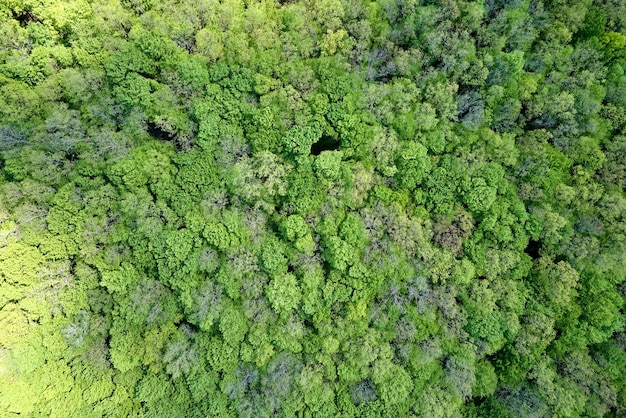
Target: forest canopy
312,208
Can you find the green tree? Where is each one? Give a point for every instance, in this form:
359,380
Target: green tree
284,294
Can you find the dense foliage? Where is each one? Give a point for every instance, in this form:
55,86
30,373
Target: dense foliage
312,208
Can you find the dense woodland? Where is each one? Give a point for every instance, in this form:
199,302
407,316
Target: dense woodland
314,208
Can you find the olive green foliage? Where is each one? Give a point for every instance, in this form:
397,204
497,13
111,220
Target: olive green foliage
329,208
